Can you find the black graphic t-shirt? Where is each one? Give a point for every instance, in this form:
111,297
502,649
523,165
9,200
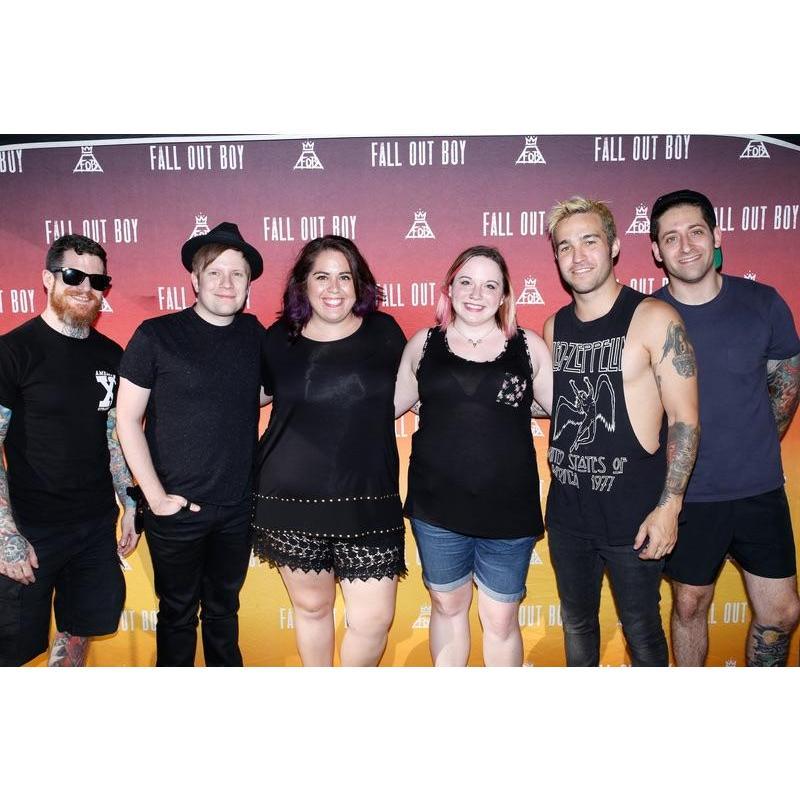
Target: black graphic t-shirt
59,391
604,483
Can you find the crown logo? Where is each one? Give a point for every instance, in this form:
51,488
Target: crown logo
731,662
86,149
530,282
751,276
308,146
530,141
641,211
200,219
419,216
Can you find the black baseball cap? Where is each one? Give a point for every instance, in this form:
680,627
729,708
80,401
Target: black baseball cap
682,197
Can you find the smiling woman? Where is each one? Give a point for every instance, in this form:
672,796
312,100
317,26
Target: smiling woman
328,503
473,484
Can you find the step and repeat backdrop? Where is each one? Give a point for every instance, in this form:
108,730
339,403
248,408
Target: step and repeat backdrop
411,204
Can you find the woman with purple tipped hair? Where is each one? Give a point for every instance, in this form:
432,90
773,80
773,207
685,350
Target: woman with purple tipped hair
327,503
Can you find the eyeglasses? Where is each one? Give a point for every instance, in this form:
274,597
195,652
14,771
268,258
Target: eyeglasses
74,277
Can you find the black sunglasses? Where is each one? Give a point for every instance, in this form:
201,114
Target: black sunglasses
74,277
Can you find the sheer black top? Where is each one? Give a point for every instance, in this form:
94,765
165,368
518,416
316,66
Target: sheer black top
328,459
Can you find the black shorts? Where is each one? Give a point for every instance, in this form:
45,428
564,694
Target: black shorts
755,531
79,562
374,555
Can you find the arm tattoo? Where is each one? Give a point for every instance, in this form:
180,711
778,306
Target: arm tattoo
770,647
120,474
783,381
68,651
682,440
678,343
538,411
13,547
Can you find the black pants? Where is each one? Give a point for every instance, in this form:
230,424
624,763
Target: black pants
200,561
579,565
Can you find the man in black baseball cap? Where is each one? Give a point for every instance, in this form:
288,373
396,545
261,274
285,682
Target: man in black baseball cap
195,376
748,361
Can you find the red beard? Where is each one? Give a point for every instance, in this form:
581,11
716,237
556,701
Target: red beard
73,313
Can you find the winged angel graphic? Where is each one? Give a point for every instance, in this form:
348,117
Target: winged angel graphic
596,403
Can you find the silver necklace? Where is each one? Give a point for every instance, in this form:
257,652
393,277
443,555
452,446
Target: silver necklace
475,342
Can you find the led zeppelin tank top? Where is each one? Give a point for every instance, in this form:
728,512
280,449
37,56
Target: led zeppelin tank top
604,483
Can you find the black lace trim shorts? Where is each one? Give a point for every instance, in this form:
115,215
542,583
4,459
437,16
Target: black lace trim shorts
374,555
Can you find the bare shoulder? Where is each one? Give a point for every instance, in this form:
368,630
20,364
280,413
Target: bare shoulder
549,327
534,340
414,346
536,344
652,319
417,341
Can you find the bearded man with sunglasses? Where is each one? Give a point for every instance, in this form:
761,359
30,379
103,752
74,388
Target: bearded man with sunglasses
58,514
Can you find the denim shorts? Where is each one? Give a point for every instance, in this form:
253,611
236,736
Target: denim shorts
499,567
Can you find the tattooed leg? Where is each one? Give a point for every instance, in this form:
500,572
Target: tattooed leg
68,651
776,608
767,647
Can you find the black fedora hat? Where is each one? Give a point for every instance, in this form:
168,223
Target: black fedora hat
226,233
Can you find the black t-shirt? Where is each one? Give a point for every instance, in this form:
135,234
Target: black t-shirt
59,390
201,421
329,463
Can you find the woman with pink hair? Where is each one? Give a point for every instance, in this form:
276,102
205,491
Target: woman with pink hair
473,483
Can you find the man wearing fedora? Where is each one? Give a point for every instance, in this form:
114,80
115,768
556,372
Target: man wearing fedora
194,376
748,362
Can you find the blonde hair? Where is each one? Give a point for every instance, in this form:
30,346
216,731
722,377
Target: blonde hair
581,205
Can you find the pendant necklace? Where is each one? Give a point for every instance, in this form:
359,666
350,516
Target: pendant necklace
475,342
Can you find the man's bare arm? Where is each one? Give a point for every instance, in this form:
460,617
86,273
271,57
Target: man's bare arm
675,370
680,404
17,556
121,478
783,381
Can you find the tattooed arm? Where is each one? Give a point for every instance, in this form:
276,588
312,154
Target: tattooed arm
122,480
17,556
675,369
783,381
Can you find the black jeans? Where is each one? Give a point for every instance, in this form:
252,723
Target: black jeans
635,583
200,560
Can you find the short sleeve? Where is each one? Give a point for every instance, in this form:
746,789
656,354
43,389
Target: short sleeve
784,342
138,361
395,338
9,377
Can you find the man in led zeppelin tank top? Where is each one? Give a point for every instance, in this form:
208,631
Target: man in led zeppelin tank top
623,439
